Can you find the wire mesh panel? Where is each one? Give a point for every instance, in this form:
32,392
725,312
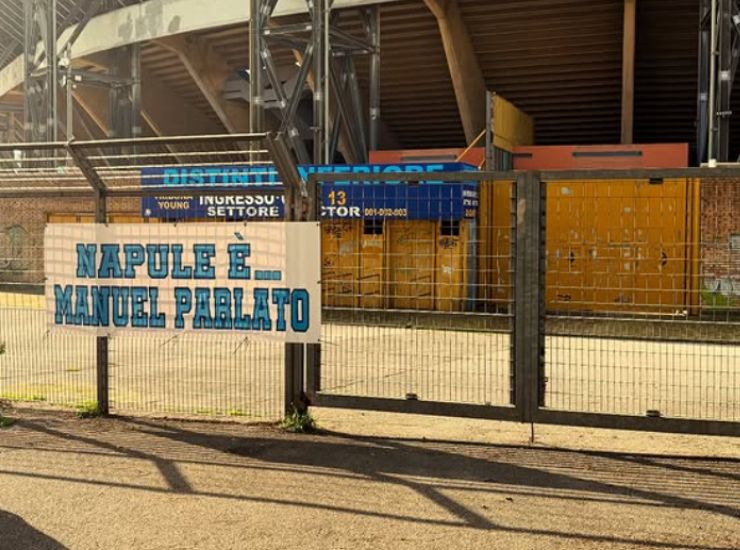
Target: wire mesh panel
643,315
222,375
56,183
35,364
211,375
641,295
417,291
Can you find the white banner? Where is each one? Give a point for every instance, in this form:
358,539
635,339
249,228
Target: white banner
258,278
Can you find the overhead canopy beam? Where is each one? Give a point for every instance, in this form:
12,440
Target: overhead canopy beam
95,103
168,114
210,72
163,110
467,78
628,71
81,129
154,19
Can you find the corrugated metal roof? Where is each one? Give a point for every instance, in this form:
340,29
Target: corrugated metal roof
417,98
559,60
666,70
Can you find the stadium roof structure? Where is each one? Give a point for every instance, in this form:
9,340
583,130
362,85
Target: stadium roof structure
561,61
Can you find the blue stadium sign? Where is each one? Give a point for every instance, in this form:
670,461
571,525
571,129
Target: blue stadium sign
351,198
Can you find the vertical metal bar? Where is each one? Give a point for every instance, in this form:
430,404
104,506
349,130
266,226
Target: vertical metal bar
326,6
135,90
28,66
294,380
490,158
528,296
702,112
374,19
725,80
255,67
68,91
47,14
101,342
628,71
514,375
38,105
313,369
115,124
313,351
540,190
53,64
712,81
295,356
319,97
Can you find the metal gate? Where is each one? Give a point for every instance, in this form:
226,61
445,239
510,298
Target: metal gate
598,298
595,298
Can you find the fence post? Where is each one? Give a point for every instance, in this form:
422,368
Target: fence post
298,207
313,351
529,307
101,342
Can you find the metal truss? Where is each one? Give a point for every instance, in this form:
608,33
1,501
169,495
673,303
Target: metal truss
49,74
325,49
719,53
40,40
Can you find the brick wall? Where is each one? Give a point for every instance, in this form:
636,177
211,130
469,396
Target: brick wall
720,230
22,232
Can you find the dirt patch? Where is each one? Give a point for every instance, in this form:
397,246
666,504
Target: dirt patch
140,483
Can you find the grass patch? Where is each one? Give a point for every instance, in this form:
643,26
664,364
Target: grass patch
6,422
89,409
717,300
73,369
237,412
23,397
299,422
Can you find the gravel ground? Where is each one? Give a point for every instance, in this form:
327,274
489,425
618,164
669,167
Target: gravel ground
371,481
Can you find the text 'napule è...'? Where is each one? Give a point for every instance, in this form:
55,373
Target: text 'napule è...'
269,308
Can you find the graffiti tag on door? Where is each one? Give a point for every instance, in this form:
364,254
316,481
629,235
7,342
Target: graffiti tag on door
12,241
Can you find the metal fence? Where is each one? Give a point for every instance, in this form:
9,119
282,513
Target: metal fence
420,308
643,297
189,374
604,298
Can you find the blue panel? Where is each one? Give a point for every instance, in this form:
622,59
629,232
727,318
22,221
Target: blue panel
431,199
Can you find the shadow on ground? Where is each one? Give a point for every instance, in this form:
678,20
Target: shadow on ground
17,534
428,468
